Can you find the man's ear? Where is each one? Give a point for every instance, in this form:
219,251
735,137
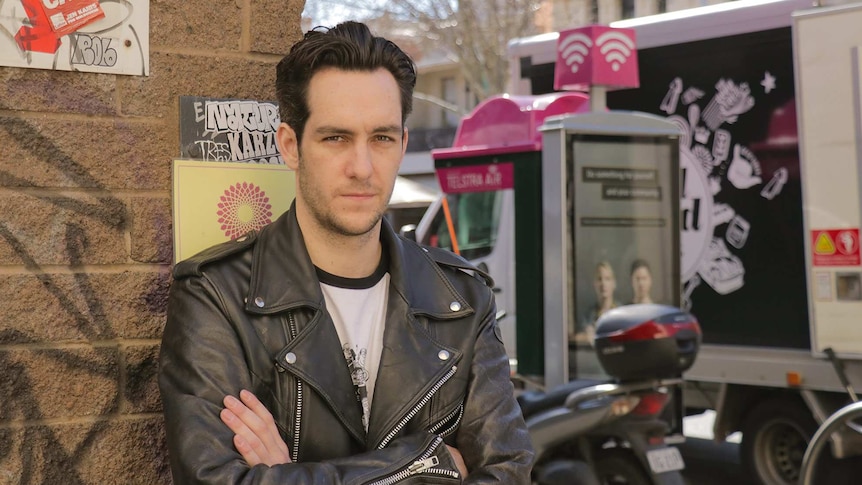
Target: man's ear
288,145
404,142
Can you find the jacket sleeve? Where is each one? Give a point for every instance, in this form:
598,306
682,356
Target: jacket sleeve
493,437
201,361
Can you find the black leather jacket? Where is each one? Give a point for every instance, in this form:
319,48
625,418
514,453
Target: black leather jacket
250,315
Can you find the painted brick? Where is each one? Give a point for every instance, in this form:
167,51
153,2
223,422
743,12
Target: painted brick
270,33
152,239
62,229
83,307
58,383
57,91
141,392
93,154
84,178
175,75
129,452
195,24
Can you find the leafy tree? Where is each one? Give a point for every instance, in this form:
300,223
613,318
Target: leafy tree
475,33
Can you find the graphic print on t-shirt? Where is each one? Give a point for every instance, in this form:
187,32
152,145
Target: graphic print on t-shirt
359,375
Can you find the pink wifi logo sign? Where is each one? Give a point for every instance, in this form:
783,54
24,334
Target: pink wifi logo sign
596,55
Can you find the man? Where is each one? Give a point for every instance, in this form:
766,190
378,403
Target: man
326,349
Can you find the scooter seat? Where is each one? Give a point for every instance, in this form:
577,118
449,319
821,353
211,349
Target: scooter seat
533,402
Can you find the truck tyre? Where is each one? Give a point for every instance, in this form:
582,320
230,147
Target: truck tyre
775,435
620,467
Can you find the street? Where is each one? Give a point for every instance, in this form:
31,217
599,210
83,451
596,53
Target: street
708,462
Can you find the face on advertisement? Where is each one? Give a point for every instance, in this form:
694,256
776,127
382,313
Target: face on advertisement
641,283
351,148
605,284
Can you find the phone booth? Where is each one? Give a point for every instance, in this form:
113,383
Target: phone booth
610,198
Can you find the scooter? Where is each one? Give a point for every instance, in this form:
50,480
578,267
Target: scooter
591,432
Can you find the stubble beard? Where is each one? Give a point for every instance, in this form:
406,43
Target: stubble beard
326,217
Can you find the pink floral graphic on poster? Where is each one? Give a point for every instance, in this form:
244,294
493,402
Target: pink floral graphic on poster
243,207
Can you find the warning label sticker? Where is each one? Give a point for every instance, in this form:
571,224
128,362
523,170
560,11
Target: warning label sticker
835,247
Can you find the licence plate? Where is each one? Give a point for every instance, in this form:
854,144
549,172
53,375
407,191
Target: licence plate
665,460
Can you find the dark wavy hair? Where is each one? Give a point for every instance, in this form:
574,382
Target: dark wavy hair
349,46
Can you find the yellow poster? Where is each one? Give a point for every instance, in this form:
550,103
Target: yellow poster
217,202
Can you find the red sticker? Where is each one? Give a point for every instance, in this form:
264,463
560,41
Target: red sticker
835,247
67,16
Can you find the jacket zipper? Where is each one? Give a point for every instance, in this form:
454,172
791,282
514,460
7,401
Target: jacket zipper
459,412
422,402
294,450
425,463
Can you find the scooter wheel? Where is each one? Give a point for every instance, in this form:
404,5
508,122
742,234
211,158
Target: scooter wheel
620,467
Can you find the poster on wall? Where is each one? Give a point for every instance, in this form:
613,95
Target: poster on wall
102,36
229,130
218,202
230,178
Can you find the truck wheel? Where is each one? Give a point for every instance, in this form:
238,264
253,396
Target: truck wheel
775,435
620,467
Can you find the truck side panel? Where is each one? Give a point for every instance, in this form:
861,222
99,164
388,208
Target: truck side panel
828,49
743,255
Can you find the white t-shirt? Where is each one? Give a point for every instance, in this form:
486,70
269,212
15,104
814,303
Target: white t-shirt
358,310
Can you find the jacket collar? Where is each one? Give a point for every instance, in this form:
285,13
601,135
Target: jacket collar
283,276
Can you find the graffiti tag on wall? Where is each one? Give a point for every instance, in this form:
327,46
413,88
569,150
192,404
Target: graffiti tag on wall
71,35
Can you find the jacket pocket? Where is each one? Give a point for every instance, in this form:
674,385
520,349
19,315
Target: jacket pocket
427,468
449,424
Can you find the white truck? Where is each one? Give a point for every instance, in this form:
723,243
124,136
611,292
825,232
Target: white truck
768,100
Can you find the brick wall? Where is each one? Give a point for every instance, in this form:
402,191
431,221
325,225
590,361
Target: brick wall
85,238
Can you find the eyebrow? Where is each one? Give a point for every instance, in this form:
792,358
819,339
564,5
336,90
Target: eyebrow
334,130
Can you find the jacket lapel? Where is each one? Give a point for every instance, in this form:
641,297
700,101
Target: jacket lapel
318,360
283,278
411,362
409,367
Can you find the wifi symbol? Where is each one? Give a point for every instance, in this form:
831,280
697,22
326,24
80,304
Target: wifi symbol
616,47
575,49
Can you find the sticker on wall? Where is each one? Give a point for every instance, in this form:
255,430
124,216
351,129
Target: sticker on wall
228,130
835,247
848,286
218,202
823,286
107,36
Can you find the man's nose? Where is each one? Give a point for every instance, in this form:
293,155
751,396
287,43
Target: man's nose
361,164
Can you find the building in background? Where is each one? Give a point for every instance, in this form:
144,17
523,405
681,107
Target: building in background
442,95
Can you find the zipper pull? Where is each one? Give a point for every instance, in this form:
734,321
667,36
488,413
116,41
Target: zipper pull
420,466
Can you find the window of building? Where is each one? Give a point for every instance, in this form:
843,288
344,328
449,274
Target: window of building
449,94
628,8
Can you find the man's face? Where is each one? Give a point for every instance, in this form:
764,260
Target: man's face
352,146
641,282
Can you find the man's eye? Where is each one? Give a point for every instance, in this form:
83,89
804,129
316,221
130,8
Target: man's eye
334,138
385,138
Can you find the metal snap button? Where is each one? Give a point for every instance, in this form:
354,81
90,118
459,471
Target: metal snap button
290,358
259,302
443,355
454,306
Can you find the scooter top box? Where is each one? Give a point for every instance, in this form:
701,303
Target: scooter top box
644,341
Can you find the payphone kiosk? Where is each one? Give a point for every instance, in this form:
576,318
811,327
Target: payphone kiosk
610,227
